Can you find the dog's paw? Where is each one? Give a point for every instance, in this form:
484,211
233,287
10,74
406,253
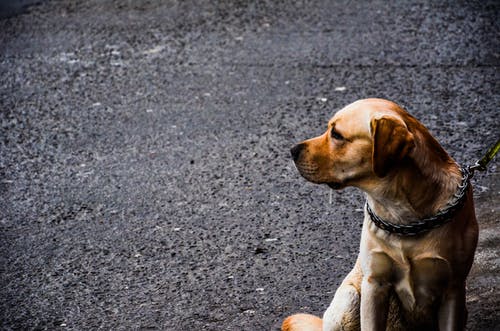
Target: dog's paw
302,322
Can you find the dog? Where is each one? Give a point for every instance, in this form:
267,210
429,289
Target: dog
413,279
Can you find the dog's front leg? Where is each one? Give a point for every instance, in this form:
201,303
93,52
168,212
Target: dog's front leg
375,287
452,312
374,304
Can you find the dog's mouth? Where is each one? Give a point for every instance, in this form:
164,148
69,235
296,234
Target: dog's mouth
307,170
310,172
335,185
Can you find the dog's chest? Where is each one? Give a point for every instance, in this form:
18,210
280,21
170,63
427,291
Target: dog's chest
417,280
421,282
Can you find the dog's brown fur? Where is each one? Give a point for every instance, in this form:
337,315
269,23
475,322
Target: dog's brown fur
397,283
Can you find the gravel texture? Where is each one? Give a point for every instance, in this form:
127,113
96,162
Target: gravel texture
145,177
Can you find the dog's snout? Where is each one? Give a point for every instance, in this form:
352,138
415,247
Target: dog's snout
296,150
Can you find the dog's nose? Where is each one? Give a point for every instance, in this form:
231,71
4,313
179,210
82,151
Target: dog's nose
296,151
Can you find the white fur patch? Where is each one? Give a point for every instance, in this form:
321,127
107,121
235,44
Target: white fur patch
343,308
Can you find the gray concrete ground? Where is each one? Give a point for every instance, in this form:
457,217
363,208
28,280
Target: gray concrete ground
145,173
10,8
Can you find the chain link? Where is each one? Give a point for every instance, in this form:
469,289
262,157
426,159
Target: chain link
440,218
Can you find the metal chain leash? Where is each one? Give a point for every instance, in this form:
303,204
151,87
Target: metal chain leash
445,215
426,224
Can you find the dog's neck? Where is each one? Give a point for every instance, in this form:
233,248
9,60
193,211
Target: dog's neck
420,186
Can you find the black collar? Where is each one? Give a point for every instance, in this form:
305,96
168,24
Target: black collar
424,225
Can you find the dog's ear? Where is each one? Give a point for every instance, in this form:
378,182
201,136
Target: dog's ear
391,143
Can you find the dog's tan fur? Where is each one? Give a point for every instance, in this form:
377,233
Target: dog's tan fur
397,283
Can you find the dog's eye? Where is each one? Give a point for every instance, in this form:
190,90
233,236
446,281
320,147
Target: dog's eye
336,135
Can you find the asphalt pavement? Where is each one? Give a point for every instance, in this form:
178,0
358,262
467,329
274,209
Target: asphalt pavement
145,176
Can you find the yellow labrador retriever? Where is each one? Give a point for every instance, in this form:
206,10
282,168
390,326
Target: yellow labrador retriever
419,232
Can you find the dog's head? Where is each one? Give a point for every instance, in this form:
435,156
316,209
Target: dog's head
364,141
